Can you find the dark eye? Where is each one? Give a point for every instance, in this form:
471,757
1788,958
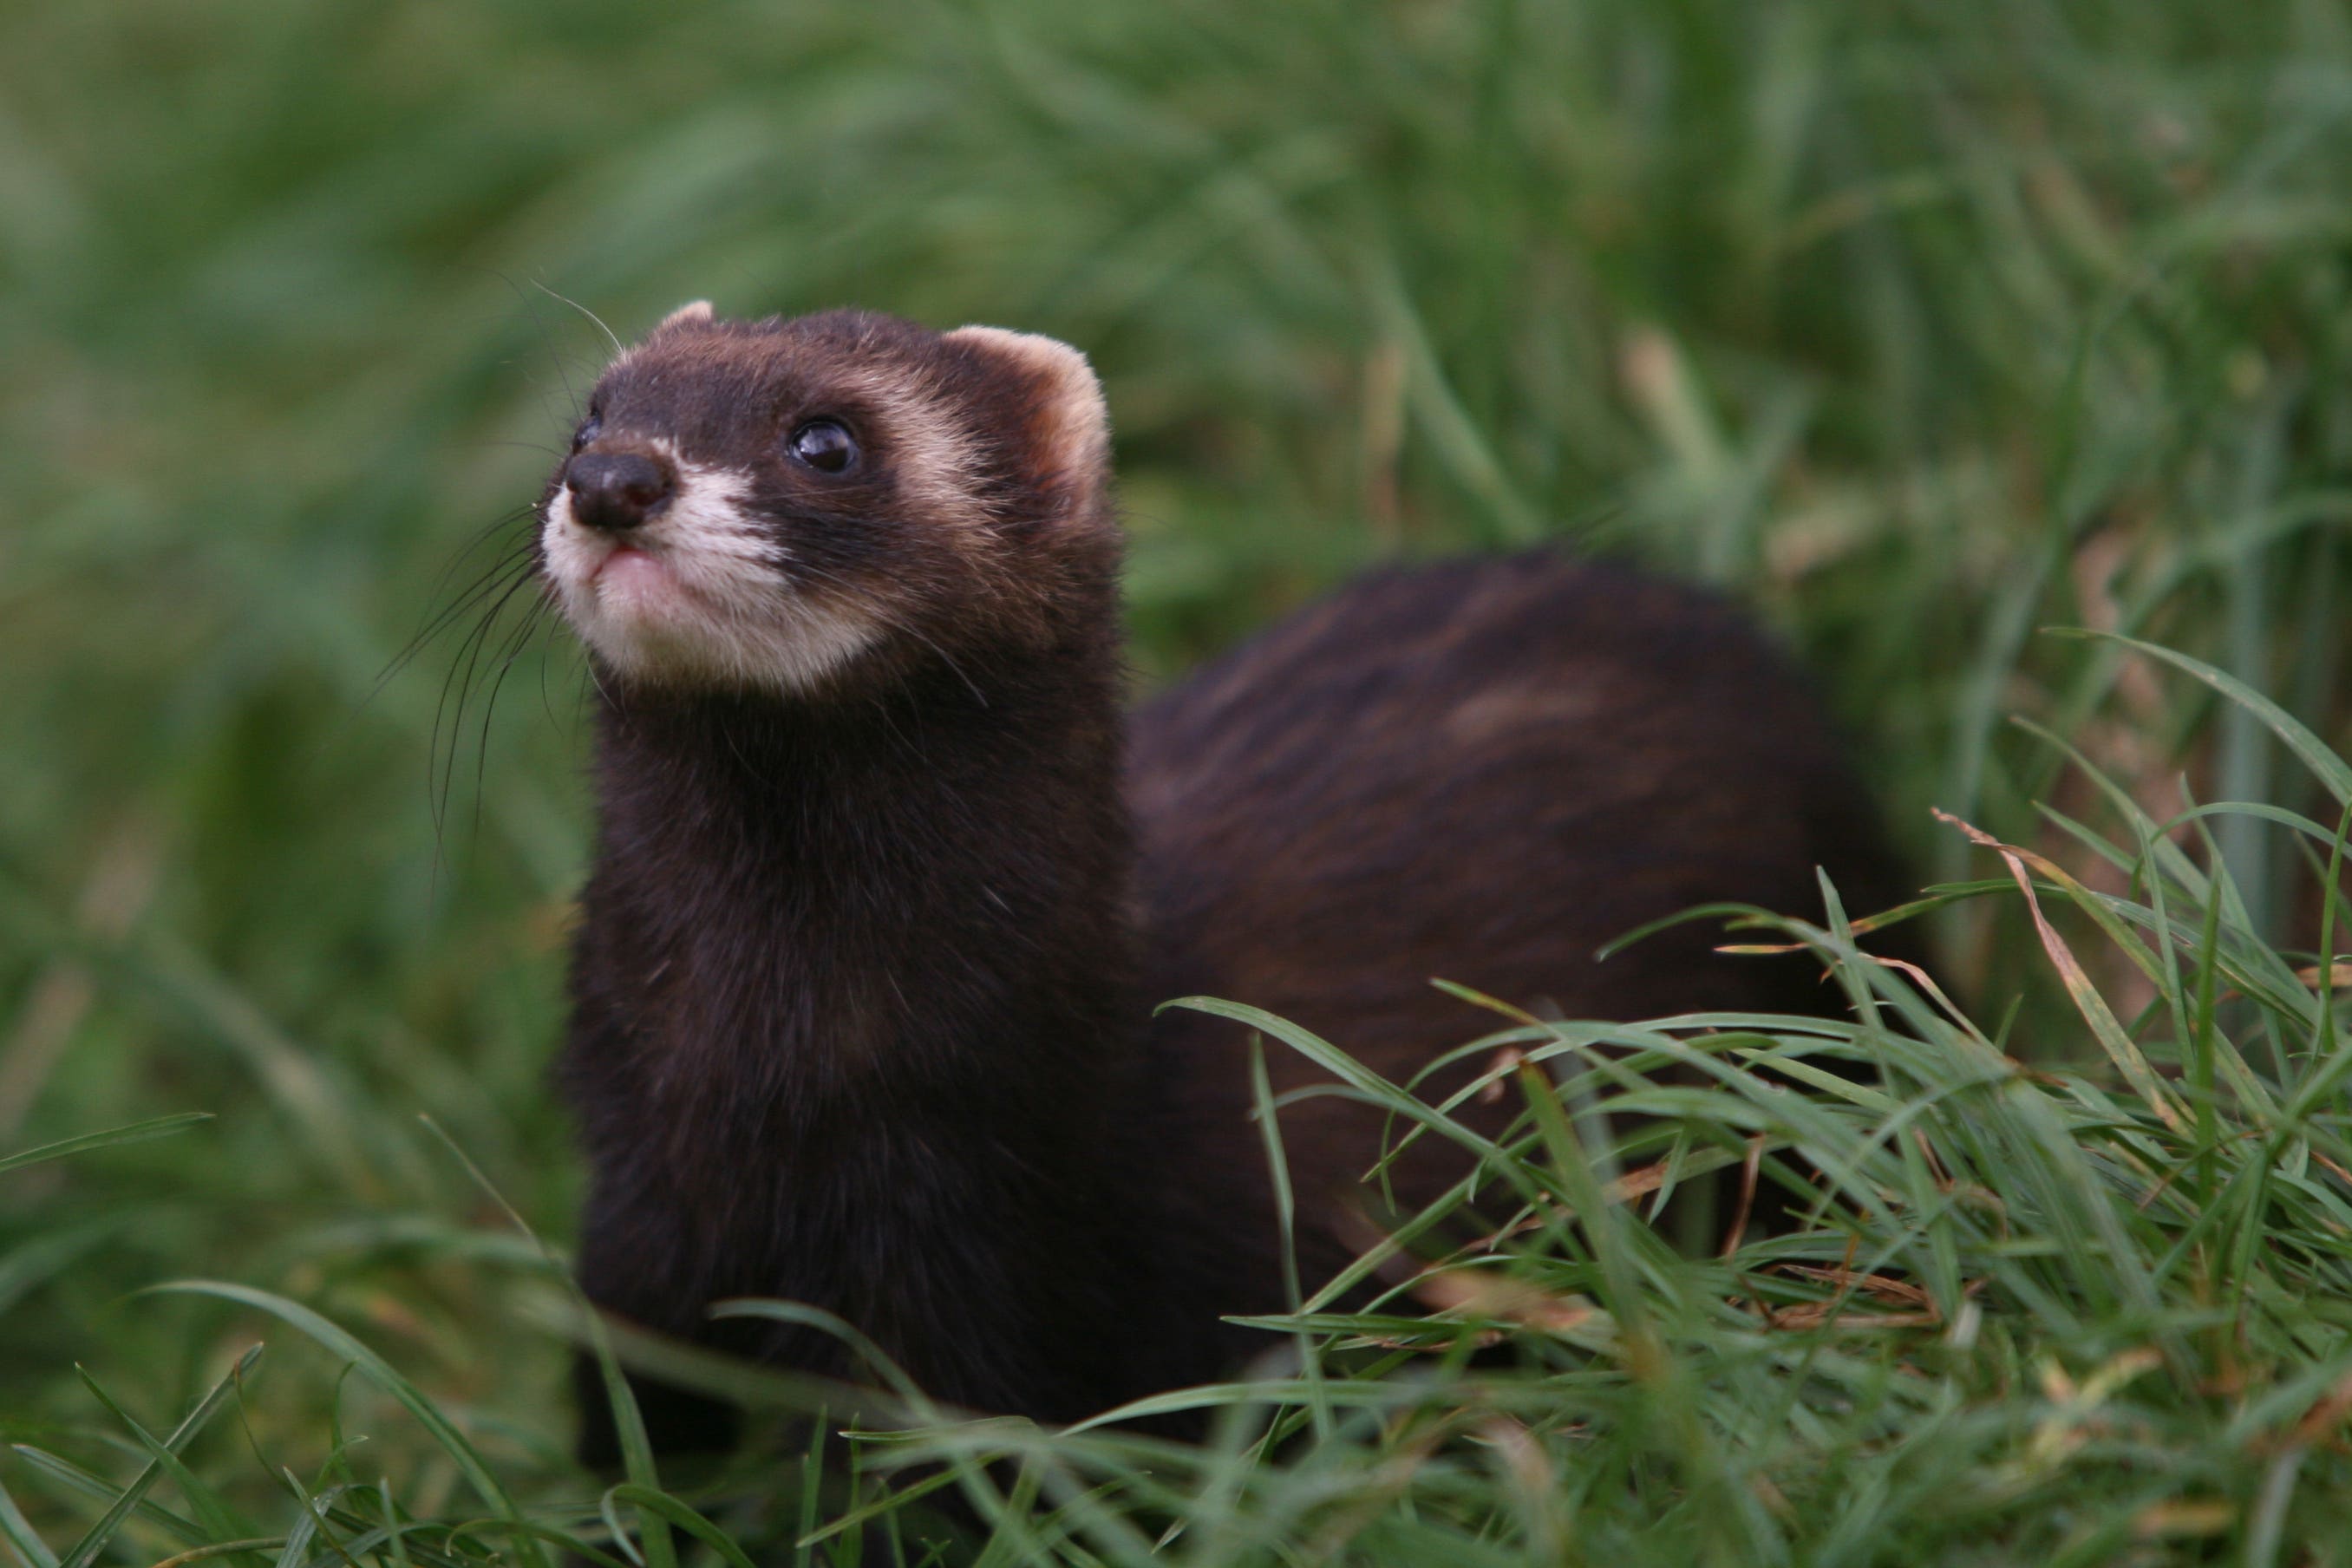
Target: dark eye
823,445
589,429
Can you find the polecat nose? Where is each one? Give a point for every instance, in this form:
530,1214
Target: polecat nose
616,491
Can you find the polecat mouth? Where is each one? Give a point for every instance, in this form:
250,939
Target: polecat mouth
699,595
645,584
638,580
628,561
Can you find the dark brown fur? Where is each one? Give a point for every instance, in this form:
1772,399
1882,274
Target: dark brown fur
1483,771
862,995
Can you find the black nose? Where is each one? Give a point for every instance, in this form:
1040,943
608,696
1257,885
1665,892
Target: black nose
616,491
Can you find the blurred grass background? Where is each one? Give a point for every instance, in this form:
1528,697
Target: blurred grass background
1918,326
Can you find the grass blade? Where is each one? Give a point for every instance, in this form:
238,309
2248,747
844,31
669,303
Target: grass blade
85,1551
137,1133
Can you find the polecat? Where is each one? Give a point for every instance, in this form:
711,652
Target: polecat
883,894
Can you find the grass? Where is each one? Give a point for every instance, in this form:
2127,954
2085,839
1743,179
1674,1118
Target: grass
1922,327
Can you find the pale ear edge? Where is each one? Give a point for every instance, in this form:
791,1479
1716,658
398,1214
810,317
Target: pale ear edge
691,313
1077,439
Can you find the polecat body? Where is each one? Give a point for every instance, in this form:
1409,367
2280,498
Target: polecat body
882,897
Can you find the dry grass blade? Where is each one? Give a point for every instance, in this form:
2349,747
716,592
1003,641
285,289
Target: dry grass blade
2127,1057
1482,1293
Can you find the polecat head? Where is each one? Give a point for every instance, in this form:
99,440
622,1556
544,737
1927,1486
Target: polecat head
769,505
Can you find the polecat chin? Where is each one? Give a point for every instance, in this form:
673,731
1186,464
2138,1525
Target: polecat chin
882,896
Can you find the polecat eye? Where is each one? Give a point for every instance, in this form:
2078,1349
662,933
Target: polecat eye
589,429
823,445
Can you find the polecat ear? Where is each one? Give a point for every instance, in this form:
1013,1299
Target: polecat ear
688,315
1069,424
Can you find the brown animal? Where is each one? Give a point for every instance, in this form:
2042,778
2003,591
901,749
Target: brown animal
883,896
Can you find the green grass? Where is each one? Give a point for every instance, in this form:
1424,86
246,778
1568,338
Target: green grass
1921,327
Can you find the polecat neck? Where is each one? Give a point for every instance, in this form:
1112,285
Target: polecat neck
864,973
912,888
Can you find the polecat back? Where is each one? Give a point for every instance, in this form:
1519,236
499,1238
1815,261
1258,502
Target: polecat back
1483,771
